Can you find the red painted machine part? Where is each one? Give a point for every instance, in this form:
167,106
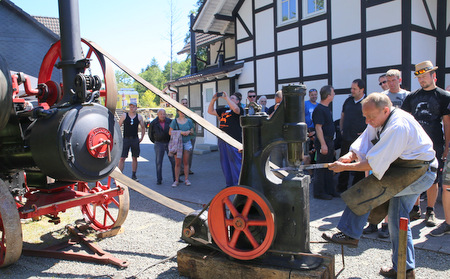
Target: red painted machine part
98,141
54,53
228,225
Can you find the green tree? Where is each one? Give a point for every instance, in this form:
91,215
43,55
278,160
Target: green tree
179,69
154,75
123,80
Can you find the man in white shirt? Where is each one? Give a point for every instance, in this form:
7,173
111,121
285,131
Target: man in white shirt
391,135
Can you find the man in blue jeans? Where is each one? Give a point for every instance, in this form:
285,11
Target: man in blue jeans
159,135
392,136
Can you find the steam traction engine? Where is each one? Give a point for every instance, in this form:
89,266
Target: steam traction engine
54,156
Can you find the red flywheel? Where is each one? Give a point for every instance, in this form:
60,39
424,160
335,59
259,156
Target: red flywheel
244,227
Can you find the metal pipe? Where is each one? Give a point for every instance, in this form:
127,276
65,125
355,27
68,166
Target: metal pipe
69,24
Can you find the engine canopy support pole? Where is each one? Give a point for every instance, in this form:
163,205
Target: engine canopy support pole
69,22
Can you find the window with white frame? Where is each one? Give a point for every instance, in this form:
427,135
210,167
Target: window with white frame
314,7
287,11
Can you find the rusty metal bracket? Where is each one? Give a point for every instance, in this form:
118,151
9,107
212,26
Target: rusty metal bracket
99,256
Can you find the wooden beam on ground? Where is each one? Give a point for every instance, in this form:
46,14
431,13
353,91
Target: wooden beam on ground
149,193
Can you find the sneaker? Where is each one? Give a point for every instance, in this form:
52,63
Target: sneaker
191,172
187,182
370,229
430,218
175,184
443,228
135,178
340,238
384,232
414,215
158,182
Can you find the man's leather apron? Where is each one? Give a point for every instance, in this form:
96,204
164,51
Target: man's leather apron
371,194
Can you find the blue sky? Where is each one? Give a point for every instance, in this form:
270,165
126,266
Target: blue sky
133,31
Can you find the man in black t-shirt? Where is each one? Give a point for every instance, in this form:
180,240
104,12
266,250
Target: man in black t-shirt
230,158
352,124
429,106
324,125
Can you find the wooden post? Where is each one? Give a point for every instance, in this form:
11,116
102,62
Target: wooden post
402,243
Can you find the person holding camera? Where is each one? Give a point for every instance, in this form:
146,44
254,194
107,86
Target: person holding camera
230,158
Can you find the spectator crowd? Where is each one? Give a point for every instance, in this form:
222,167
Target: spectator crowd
373,135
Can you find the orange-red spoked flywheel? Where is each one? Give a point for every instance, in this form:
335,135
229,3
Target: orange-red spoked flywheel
244,227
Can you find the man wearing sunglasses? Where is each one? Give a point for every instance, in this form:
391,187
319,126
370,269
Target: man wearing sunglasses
383,82
131,121
251,97
429,106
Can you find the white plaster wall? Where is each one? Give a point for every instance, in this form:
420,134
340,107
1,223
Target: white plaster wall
414,82
240,31
314,32
384,50
287,39
213,52
419,15
315,61
247,75
372,83
245,50
447,80
230,50
447,52
423,47
261,3
338,102
384,15
264,37
246,12
448,14
345,18
288,66
346,61
265,75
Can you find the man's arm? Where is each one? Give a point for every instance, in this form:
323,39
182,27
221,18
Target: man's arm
319,134
122,118
357,166
211,109
142,124
446,120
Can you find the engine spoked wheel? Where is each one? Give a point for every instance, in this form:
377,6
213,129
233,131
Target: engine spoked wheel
244,227
109,213
108,96
10,229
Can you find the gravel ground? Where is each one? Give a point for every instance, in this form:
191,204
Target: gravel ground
152,234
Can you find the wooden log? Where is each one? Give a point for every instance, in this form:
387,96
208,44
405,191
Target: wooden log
196,262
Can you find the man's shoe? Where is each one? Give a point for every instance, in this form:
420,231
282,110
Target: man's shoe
340,238
370,229
187,182
414,215
134,178
323,197
191,172
430,218
390,272
443,228
175,184
158,182
384,232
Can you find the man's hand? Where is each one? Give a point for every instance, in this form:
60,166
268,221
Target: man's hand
337,166
324,149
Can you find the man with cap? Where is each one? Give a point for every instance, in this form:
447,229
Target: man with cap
131,122
429,106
